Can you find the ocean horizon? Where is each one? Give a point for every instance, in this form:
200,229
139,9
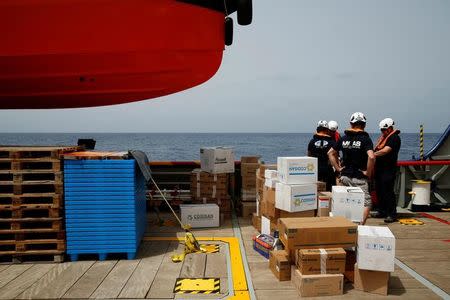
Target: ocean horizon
184,146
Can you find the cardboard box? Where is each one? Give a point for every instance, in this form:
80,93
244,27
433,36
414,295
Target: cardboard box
321,186
263,167
293,198
375,282
298,214
348,202
217,159
248,208
297,170
323,204
350,262
319,232
200,215
271,174
317,285
280,265
270,183
320,261
376,248
256,221
250,159
268,226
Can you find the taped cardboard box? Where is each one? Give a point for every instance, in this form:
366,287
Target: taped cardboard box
375,282
348,202
263,167
321,186
376,248
320,261
248,209
280,265
200,215
294,198
217,159
319,232
323,204
250,159
297,170
317,285
256,222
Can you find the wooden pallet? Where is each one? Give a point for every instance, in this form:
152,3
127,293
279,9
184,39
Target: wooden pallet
13,247
56,200
30,164
32,234
11,224
30,187
20,152
30,176
30,211
33,256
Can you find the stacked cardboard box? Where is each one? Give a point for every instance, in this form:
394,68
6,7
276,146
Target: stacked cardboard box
316,246
348,202
211,188
375,259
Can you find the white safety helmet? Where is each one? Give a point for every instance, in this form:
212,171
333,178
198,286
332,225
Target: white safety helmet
333,125
386,123
322,123
357,117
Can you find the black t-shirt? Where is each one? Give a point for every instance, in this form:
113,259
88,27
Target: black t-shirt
388,162
354,146
319,147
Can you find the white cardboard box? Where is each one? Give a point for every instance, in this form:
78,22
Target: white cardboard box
348,202
200,215
270,183
294,198
270,174
297,170
265,225
376,248
217,160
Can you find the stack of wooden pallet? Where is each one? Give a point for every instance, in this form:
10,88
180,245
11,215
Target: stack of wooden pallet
31,203
249,166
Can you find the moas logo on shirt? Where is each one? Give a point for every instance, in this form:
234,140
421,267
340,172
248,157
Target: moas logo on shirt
350,145
321,144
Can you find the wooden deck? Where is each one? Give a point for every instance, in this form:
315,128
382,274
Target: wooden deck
425,248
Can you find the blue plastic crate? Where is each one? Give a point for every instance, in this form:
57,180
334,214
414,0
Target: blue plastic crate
105,206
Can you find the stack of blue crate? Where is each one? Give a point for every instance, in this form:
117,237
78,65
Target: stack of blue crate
105,205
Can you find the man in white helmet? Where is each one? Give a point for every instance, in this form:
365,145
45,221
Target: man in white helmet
319,146
333,126
357,158
386,152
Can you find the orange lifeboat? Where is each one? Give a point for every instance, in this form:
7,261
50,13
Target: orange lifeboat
82,53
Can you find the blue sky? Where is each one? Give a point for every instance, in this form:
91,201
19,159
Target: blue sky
299,62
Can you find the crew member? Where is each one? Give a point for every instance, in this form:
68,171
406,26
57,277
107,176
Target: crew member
333,126
386,153
357,158
319,146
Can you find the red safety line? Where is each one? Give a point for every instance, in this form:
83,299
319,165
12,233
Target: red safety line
425,215
423,163
447,241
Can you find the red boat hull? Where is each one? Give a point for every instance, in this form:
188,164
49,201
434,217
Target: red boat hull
80,53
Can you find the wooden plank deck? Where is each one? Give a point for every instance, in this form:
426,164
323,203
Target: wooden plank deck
152,274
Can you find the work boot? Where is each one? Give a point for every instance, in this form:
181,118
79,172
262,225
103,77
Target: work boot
389,219
377,214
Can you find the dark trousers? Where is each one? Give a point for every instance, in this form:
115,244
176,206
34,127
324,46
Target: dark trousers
384,183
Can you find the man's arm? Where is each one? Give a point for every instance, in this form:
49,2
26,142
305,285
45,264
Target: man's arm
370,164
333,157
383,151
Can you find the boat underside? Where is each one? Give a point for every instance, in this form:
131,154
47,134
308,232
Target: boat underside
81,53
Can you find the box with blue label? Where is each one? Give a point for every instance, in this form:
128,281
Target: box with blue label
297,170
297,197
376,248
348,202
